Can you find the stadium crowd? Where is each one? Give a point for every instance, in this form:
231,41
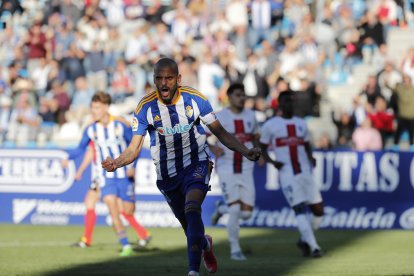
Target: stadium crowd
55,55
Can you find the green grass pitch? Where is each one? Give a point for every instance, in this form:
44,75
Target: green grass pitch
45,250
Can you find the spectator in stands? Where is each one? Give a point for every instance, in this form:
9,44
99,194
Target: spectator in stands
5,113
371,91
72,63
81,99
366,138
324,142
210,78
60,101
405,115
345,126
261,20
407,63
388,78
380,58
353,52
372,35
255,84
23,121
94,62
122,82
40,76
382,119
37,47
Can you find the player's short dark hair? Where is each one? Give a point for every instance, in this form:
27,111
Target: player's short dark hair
102,97
166,62
233,87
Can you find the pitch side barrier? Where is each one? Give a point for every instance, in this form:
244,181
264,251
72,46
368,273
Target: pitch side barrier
361,190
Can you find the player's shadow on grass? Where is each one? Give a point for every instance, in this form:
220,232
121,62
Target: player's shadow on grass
269,252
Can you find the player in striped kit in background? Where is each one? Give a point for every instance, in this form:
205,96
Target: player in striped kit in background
171,115
235,171
110,136
288,136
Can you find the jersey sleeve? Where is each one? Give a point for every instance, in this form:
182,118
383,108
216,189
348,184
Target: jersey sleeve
140,123
256,127
306,136
83,145
127,133
207,115
265,134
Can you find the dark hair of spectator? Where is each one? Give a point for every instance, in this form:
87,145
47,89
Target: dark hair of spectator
286,94
234,87
102,97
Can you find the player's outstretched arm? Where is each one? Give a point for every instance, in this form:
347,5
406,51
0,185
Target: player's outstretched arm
232,143
278,165
126,157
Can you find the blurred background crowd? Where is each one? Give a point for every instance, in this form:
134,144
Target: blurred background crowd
55,54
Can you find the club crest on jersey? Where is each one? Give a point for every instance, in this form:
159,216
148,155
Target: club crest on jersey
134,124
189,111
157,118
199,172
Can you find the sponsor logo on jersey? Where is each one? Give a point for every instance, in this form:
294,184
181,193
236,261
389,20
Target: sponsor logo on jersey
177,129
189,111
134,124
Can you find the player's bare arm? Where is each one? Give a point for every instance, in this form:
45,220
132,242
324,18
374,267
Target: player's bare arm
87,159
278,165
232,143
126,157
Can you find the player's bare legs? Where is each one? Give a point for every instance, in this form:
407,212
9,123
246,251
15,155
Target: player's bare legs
112,202
127,210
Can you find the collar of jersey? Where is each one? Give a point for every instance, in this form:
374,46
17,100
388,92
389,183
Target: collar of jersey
111,118
175,101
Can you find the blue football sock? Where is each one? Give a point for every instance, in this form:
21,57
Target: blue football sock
195,234
123,239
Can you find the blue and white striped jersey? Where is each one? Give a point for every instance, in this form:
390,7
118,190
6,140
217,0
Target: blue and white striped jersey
177,137
110,140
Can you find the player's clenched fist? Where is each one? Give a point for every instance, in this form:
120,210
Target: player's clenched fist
109,164
254,154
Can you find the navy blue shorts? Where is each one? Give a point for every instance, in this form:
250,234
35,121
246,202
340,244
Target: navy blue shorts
174,189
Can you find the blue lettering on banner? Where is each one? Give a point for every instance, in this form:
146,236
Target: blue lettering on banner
361,190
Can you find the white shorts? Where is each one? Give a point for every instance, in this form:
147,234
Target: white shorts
238,187
299,188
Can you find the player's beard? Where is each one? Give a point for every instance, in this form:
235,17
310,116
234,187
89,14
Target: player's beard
171,94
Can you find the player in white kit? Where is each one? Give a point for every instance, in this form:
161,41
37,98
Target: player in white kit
235,171
288,136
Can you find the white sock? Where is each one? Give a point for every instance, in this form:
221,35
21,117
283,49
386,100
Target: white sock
306,231
316,222
245,214
233,228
